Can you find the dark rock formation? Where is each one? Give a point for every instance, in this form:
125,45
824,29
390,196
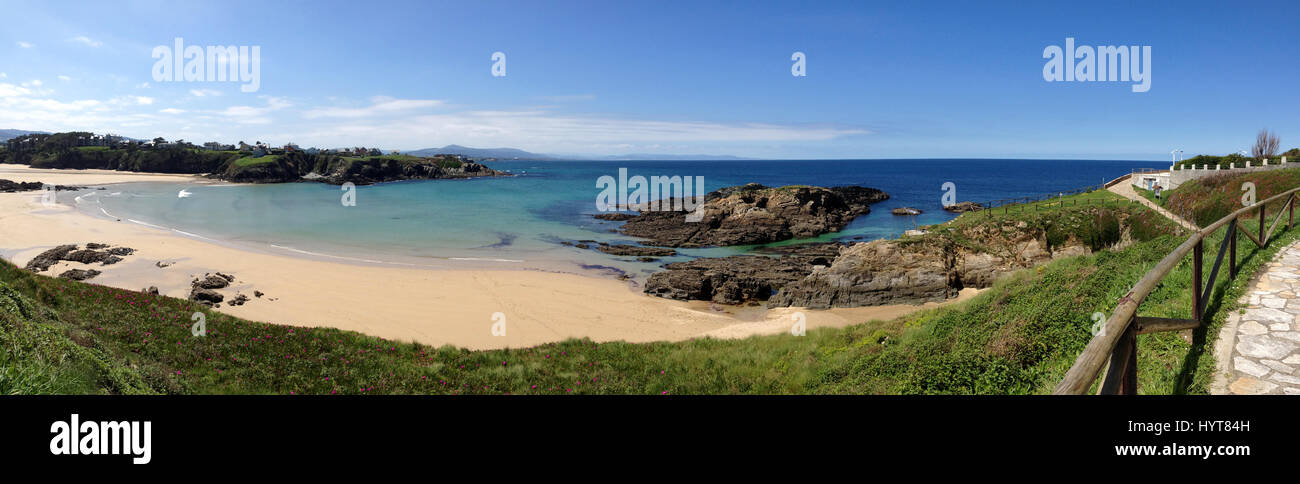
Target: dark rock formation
239,300
211,282
755,214
69,253
730,280
928,268
960,207
86,256
615,216
9,186
79,274
42,262
205,296
635,250
152,290
906,211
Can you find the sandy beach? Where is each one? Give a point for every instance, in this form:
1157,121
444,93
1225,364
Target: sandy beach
434,307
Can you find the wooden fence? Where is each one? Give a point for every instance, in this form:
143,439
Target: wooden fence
1115,346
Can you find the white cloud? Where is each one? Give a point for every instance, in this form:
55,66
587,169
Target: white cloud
64,78
26,45
143,100
255,114
539,129
3,75
33,83
10,90
142,85
171,111
380,105
86,41
204,92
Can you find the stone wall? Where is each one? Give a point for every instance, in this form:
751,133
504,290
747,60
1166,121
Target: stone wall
1182,175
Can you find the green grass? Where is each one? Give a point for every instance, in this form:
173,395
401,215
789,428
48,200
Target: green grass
1020,336
1096,218
1205,200
248,161
1151,195
92,148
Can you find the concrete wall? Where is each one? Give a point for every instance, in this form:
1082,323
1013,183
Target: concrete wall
1180,176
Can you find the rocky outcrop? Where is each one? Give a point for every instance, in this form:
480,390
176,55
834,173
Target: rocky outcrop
378,169
928,268
906,211
960,207
69,252
614,216
206,297
9,186
213,281
635,250
739,279
44,260
203,291
755,214
366,170
79,274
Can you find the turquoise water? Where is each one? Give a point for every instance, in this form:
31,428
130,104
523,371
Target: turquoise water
519,221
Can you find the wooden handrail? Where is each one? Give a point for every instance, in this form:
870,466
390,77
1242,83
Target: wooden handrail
1100,349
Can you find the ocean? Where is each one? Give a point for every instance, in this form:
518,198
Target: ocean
520,221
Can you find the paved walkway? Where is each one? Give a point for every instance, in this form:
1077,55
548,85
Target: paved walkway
1125,189
1259,352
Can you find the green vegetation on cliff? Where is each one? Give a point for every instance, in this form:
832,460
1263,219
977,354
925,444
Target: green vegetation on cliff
61,151
1093,218
1205,200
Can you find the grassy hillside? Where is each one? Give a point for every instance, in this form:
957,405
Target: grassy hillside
1205,200
1020,336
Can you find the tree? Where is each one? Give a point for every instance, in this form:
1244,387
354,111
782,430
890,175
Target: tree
1266,145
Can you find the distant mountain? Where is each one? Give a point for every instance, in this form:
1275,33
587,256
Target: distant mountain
8,134
647,156
482,153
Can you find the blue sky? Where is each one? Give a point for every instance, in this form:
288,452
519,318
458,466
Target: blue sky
884,80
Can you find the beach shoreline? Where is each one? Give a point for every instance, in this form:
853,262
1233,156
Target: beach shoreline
433,306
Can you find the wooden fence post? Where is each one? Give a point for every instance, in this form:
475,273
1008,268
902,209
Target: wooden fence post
1232,250
1262,242
1196,281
